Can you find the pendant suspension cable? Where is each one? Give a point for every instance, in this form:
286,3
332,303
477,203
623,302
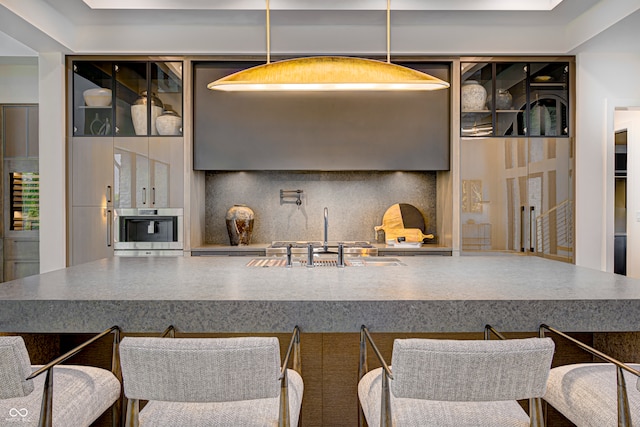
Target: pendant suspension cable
388,31
268,35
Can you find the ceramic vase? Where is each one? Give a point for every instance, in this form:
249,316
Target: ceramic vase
239,220
139,113
504,100
169,123
473,96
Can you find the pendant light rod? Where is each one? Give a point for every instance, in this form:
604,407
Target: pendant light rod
268,34
388,31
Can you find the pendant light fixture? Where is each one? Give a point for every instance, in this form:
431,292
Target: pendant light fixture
328,73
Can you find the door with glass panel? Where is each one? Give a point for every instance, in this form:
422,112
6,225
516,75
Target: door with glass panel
516,196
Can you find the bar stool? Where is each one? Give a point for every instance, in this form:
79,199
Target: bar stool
594,394
82,393
454,382
211,381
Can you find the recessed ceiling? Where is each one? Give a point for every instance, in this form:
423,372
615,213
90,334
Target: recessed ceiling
495,5
424,27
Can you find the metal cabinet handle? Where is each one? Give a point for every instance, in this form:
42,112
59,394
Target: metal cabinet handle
521,228
109,227
153,196
144,195
109,194
532,212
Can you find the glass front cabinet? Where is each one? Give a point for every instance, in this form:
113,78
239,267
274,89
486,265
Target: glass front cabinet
517,158
127,149
506,99
128,98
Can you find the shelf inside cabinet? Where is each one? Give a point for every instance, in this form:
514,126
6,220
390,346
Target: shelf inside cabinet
549,85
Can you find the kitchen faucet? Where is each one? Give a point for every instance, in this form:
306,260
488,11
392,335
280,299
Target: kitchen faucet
325,245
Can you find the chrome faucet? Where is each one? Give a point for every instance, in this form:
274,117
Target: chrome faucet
325,246
310,255
289,263
340,262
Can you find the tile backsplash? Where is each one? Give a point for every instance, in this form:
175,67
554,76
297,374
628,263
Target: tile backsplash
356,202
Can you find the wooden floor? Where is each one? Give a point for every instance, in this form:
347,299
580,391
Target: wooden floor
329,367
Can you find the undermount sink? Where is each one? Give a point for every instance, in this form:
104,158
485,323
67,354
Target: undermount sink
369,261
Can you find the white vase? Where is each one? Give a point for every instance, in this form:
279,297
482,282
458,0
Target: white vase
473,96
169,123
139,113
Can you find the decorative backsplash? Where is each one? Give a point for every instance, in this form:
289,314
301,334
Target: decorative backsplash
356,202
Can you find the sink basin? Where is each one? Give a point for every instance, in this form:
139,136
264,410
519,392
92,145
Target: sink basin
369,261
375,261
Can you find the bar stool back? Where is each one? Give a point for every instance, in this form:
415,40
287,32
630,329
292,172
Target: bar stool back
209,381
457,382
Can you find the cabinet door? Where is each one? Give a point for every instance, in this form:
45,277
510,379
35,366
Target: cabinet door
131,172
516,196
92,234
166,169
92,180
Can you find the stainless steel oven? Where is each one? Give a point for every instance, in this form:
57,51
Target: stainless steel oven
148,232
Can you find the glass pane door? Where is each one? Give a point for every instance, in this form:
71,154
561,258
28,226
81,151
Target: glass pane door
477,82
131,99
92,98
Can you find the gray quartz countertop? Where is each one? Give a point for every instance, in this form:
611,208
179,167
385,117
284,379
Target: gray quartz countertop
221,294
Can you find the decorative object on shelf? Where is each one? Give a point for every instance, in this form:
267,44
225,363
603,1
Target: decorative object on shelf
139,113
542,79
504,100
239,220
98,127
474,96
169,123
97,97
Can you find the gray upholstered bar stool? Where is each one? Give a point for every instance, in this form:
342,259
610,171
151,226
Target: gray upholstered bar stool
595,394
82,393
455,383
211,381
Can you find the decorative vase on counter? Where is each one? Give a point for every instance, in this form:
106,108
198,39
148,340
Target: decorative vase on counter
139,113
169,123
239,224
504,99
474,96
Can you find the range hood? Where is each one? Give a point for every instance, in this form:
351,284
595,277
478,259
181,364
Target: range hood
327,131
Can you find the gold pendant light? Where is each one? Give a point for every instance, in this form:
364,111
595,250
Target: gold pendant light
328,73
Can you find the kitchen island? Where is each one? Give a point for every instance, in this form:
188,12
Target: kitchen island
221,294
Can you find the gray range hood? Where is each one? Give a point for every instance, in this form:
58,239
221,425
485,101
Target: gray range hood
327,131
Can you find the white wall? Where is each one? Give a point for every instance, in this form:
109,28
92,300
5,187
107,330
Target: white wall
604,81
52,146
630,120
19,84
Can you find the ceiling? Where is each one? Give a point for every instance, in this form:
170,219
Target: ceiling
436,27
